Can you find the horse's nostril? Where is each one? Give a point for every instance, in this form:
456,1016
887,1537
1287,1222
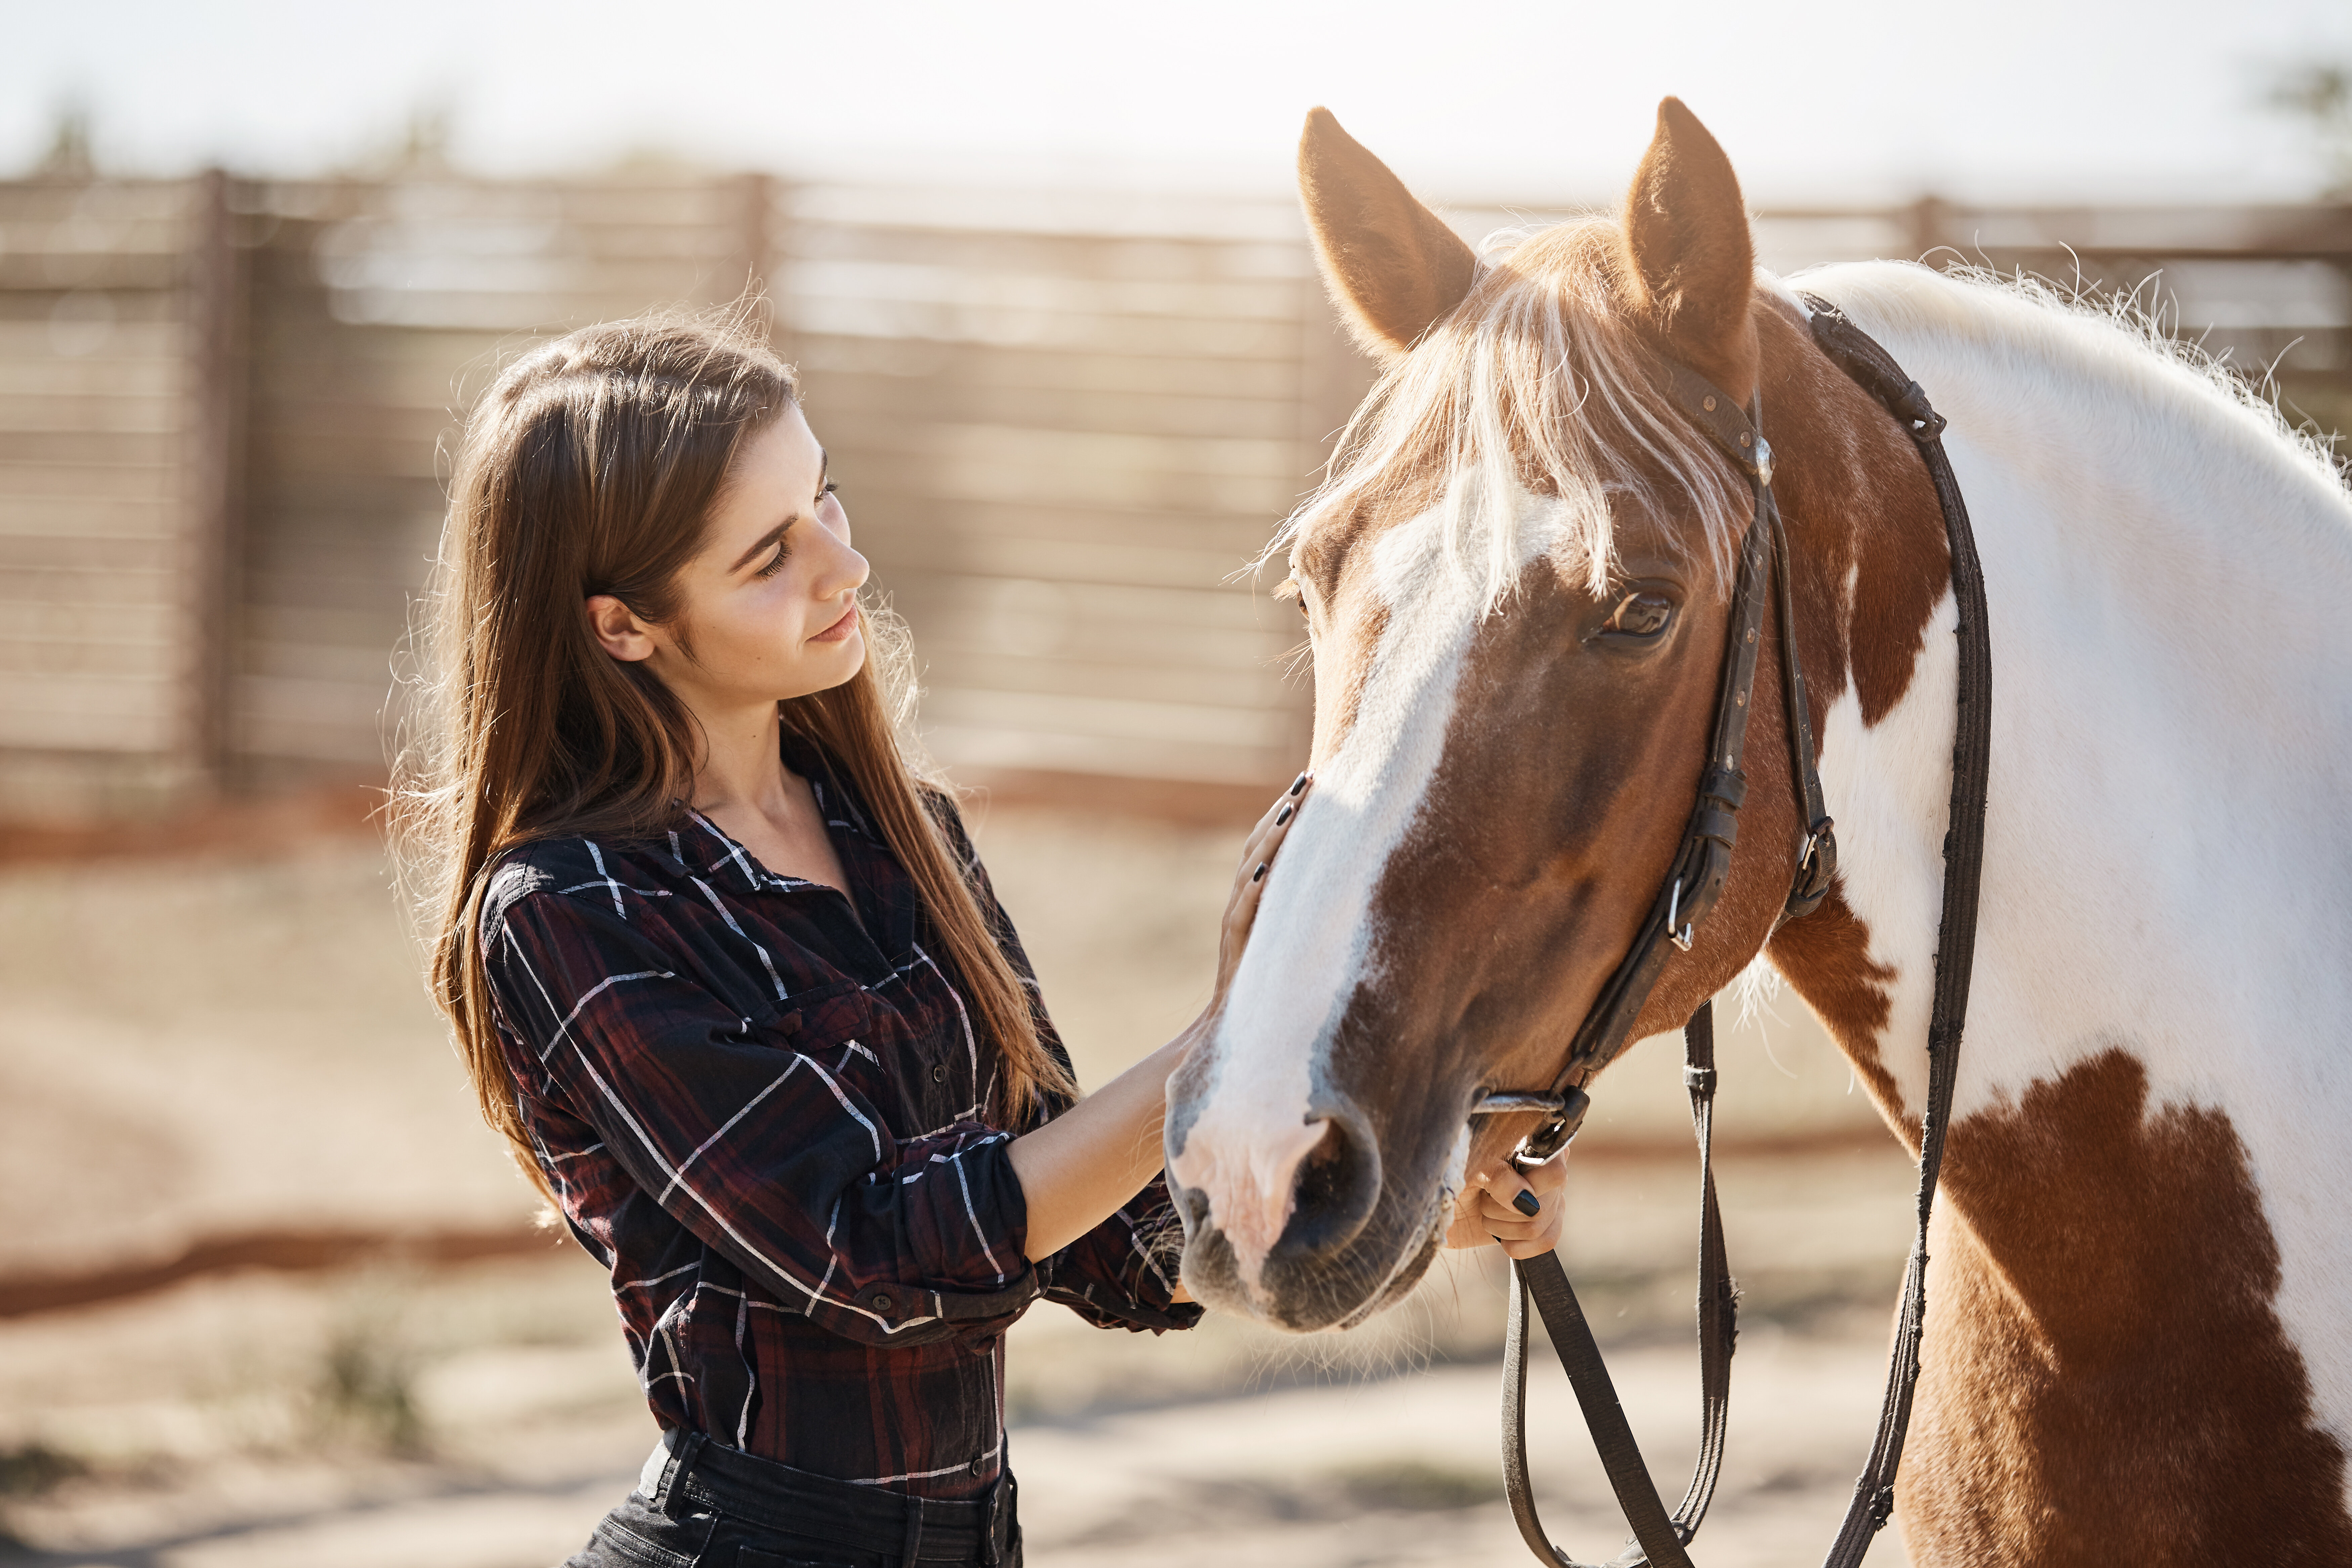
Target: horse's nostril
1336,1186
1192,1208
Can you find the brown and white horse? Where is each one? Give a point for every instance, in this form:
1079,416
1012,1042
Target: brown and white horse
2139,1346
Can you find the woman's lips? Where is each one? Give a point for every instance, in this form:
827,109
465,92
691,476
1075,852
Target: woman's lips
840,628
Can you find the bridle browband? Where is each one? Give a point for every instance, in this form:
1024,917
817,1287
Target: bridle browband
1692,888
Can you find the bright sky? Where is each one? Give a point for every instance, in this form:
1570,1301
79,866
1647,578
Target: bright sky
1534,100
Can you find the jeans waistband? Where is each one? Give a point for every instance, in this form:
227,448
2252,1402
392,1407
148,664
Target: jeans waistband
689,1467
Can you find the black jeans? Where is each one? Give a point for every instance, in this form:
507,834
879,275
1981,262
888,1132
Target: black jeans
713,1507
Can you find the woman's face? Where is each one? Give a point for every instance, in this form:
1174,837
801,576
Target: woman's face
769,604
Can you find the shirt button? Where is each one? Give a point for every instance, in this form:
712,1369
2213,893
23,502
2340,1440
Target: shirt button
880,1300
979,1466
940,1073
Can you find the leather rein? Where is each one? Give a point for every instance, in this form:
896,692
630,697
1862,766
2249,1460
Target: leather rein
1692,888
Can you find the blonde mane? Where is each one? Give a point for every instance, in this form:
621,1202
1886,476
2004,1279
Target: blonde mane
1534,381
2092,339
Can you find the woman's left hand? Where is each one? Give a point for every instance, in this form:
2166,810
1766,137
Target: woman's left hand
1493,1207
1249,881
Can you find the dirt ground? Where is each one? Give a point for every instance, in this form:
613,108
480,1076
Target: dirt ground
210,1045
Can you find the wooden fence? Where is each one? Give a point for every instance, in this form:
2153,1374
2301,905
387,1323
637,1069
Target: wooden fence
1062,422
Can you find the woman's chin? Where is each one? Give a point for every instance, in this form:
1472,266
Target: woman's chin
825,665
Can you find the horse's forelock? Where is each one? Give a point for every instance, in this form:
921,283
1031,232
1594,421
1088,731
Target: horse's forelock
1536,380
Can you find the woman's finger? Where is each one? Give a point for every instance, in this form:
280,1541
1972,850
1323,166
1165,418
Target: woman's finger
1273,827
1249,879
1522,1209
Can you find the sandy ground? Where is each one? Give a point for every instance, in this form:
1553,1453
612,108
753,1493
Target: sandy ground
484,1417
191,1047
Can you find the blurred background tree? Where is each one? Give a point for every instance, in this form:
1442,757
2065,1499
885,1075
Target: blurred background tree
2321,96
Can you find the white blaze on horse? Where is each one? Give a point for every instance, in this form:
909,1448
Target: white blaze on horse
1515,581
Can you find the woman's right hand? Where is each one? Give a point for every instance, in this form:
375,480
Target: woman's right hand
1249,881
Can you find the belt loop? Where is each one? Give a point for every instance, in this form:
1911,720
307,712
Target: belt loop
670,1501
914,1543
993,1539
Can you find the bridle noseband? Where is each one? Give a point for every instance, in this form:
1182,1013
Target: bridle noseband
1693,886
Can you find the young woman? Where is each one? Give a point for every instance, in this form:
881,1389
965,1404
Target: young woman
731,981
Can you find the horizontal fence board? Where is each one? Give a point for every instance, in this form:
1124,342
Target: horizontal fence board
884,509
130,618
26,658
70,269
1056,292
66,534
986,252
868,396
157,480
1045,368
89,449
977,554
316,721
1254,686
53,375
357,662
863,316
127,342
53,411
78,572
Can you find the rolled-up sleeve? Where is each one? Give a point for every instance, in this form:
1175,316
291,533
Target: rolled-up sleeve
1123,1273
770,1150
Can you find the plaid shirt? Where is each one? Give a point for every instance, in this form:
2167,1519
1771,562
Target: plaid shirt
763,1112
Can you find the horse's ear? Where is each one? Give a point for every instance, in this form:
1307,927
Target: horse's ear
1694,262
1392,265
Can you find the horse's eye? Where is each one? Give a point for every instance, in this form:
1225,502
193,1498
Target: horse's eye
1641,615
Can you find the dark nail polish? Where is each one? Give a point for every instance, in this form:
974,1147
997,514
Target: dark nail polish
1527,1203
1299,782
1258,873
1284,814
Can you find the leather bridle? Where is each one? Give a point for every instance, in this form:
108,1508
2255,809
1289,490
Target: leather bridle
1692,888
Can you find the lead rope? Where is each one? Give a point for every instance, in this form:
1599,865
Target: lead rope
1660,1540
1875,370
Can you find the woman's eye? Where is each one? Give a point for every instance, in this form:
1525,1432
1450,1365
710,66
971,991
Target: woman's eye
1641,615
831,487
775,563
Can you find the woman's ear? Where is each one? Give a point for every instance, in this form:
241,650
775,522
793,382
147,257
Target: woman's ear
616,629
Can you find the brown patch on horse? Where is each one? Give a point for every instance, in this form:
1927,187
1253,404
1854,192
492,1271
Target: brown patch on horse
1858,503
2107,1380
1392,265
1333,568
1825,958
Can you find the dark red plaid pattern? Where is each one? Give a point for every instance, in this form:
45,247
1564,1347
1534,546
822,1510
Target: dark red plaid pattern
763,1112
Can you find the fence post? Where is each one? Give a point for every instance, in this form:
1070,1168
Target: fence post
755,200
1927,219
218,315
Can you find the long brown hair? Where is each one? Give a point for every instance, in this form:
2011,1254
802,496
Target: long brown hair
590,466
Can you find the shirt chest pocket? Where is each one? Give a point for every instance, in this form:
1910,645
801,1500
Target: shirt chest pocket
837,1027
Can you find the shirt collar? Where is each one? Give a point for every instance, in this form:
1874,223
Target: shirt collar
703,847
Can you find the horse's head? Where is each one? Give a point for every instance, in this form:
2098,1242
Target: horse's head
1515,583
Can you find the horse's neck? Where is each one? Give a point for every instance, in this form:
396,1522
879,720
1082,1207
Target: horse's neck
2167,889
2165,581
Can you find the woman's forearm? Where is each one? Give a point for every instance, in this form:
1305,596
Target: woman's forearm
1078,1169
